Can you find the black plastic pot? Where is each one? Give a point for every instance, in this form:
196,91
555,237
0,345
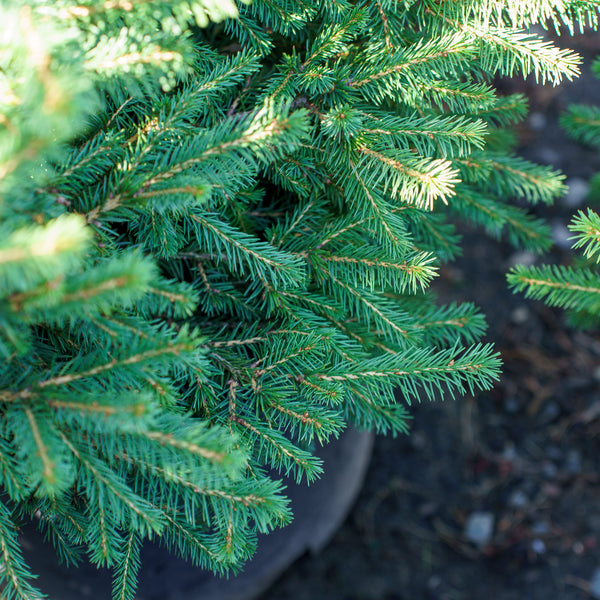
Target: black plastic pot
319,510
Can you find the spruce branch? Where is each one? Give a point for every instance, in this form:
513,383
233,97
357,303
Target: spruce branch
125,573
512,51
384,418
582,123
103,536
520,228
411,180
587,230
411,275
455,136
273,448
35,254
371,308
569,288
510,174
443,325
459,96
40,443
422,58
10,479
241,249
15,577
67,551
477,365
107,487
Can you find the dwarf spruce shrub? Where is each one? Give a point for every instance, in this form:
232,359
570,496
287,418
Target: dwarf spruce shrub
218,225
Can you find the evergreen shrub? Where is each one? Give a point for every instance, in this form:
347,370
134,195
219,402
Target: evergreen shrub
218,227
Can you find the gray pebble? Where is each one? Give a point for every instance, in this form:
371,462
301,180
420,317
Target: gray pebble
578,190
537,121
549,470
479,528
540,528
550,411
523,257
595,584
512,405
520,315
538,546
553,452
573,462
518,499
561,235
509,453
549,156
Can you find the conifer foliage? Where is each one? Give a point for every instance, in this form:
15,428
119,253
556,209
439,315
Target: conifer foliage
218,225
573,287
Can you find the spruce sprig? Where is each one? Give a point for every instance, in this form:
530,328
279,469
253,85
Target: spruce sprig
576,287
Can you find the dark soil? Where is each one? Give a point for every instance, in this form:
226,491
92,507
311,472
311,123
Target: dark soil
525,455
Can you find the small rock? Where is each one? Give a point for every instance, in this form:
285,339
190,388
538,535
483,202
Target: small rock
578,548
595,585
590,542
549,470
577,382
578,190
553,452
551,490
434,585
593,522
510,452
532,575
512,405
495,443
522,258
550,412
561,235
429,509
537,121
548,156
372,588
538,546
573,461
479,528
540,528
518,499
520,315
418,440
